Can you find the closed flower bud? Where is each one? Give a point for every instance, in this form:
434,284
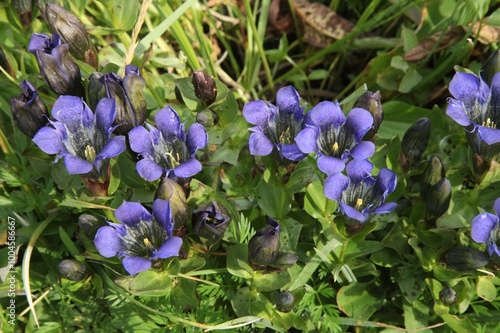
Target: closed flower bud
284,301
73,270
171,191
371,102
210,222
72,32
264,246
205,87
465,259
89,224
490,67
438,198
434,172
28,110
448,296
207,118
4,63
284,260
24,9
415,142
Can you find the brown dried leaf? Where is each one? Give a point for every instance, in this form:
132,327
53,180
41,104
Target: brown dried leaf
486,34
423,49
321,24
279,16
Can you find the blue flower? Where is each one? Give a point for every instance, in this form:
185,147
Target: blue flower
167,150
334,138
476,106
485,228
276,126
141,239
80,137
359,194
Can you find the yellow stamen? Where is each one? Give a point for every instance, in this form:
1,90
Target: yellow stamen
90,154
335,146
359,203
488,123
147,242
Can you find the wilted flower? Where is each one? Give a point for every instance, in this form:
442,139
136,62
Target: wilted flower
24,8
170,190
485,228
128,93
80,137
28,110
72,32
335,138
142,239
58,70
205,87
73,270
359,194
276,126
167,150
210,222
264,246
414,142
476,107
371,102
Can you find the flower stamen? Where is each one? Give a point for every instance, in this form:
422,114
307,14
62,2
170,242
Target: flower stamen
90,154
359,204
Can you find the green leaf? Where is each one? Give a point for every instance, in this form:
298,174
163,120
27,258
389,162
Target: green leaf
147,283
237,261
271,281
184,295
486,289
123,13
272,198
360,300
315,203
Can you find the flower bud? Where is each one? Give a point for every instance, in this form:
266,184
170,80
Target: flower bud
434,172
210,222
171,191
490,67
207,118
57,68
205,87
28,110
284,260
72,32
89,224
264,246
415,142
24,9
438,198
73,270
465,259
4,63
284,301
371,102
448,296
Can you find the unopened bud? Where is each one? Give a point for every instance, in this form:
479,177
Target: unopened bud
490,67
465,259
207,118
438,199
24,9
210,222
448,296
171,191
73,270
371,102
89,224
264,246
72,32
434,172
28,110
205,87
284,301
415,142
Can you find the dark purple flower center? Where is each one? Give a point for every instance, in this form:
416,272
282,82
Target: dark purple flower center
494,238
363,194
170,152
84,141
332,142
143,239
283,127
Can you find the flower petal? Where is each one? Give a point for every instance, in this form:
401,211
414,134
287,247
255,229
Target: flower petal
288,99
168,122
464,86
358,170
163,214
334,186
385,208
105,114
456,111
257,113
149,170
359,121
114,147
170,248
352,213
363,150
481,227
386,181
140,141
496,206
196,137
71,111
489,135
188,169
306,140
292,152
134,265
330,165
259,144
107,242
130,213
326,113
77,165
49,140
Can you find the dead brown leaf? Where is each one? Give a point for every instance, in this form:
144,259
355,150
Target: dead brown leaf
436,42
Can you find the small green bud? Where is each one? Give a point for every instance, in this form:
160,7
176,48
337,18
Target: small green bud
415,142
371,102
284,301
72,32
465,259
207,118
490,67
171,191
434,172
73,270
205,87
438,198
89,224
448,296
210,222
28,110
264,246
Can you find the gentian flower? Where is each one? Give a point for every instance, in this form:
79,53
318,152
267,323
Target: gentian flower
359,194
167,150
485,228
276,126
142,239
334,138
57,68
210,222
80,137
28,110
476,106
